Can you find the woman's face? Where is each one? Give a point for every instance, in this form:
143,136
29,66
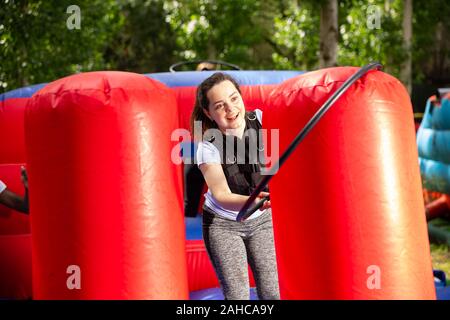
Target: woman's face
226,107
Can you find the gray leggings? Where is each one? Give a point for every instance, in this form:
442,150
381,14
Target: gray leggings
232,244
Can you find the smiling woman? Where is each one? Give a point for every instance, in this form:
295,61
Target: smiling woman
219,98
226,108
230,244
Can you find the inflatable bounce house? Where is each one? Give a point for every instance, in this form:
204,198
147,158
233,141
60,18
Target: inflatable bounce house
106,196
433,139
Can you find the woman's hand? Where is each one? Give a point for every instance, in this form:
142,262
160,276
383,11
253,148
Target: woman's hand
218,185
266,204
24,176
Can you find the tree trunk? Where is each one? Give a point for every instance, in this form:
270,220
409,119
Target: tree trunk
328,33
406,70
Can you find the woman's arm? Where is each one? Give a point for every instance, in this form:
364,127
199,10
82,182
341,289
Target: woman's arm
217,183
14,201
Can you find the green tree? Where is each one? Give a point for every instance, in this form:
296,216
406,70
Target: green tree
146,41
363,40
149,35
221,29
431,44
37,46
328,33
296,35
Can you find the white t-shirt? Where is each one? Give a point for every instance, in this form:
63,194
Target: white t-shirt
2,186
208,153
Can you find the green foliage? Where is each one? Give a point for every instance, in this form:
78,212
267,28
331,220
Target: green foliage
146,42
296,35
429,56
36,45
362,40
149,35
221,29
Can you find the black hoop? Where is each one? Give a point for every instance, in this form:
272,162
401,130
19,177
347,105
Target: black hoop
216,62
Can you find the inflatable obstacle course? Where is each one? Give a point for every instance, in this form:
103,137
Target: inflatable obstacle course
105,195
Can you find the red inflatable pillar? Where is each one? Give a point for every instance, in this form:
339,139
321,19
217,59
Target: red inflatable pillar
107,218
348,212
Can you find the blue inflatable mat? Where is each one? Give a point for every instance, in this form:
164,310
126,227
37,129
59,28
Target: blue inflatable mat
193,228
443,293
246,77
216,294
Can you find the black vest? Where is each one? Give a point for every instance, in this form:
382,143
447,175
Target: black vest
241,158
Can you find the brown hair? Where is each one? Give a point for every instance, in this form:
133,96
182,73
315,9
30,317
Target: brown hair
202,102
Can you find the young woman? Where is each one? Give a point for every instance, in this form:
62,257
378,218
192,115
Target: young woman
231,176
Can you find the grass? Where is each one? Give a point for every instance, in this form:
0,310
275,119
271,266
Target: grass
440,257
440,249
